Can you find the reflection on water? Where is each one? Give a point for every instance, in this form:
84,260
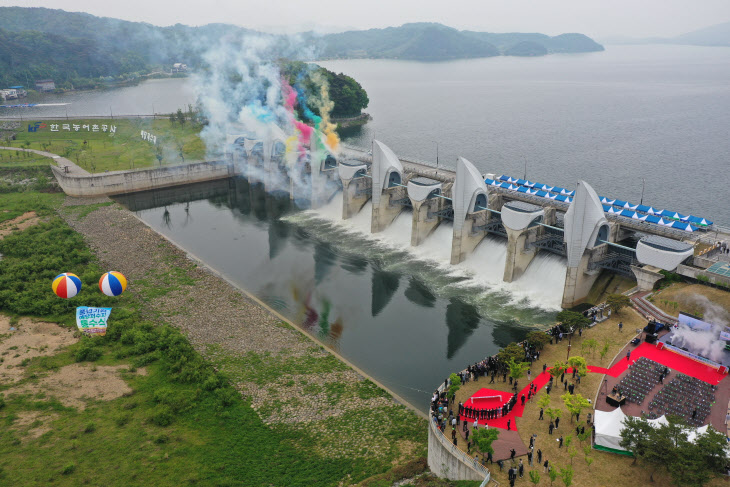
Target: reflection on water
461,320
385,284
419,294
407,320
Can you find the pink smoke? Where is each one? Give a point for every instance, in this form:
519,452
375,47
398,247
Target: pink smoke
305,130
290,96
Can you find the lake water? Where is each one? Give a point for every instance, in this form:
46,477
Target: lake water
404,315
661,113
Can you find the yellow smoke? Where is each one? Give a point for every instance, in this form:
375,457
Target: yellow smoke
325,106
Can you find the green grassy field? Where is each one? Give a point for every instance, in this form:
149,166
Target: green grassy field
10,159
181,422
124,149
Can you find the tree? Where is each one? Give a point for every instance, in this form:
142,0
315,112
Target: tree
635,436
173,119
553,473
181,117
544,400
537,339
604,350
534,477
590,344
573,320
517,369
579,363
511,351
588,458
696,463
554,413
584,436
566,474
455,386
572,452
483,439
558,368
616,302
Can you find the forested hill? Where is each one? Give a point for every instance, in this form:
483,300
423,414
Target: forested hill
66,46
436,42
78,49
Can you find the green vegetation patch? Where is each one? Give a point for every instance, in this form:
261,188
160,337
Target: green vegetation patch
263,368
102,150
12,205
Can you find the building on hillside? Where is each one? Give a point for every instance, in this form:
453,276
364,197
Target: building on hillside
179,68
45,85
20,91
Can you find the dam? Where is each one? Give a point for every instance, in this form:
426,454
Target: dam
591,233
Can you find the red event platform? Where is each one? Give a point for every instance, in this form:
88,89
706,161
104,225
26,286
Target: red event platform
666,357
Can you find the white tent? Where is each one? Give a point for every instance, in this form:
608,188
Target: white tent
608,428
660,421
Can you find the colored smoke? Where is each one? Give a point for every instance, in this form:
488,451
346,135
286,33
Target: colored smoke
706,343
244,97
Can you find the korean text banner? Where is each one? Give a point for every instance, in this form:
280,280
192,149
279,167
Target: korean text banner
92,320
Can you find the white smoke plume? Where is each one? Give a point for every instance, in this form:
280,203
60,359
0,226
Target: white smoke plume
240,92
706,343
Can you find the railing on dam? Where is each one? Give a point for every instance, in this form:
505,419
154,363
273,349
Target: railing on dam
463,467
463,457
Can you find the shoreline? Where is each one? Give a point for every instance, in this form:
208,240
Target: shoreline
199,262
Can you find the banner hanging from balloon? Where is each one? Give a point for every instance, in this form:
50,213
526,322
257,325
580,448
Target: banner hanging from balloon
92,321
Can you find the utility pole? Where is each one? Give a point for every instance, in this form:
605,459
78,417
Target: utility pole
525,175
437,158
643,185
570,339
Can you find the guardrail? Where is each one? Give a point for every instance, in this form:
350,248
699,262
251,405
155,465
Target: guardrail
466,459
463,457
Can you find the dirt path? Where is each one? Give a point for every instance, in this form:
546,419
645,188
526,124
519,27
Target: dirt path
17,224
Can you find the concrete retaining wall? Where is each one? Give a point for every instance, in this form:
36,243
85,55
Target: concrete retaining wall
447,461
119,182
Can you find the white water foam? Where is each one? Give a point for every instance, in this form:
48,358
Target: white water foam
541,286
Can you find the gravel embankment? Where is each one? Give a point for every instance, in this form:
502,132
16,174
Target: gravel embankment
288,378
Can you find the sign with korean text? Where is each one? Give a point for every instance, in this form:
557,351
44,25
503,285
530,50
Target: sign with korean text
149,137
74,127
92,321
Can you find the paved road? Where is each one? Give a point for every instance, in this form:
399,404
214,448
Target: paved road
73,169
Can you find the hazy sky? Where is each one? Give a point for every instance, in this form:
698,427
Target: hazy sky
597,18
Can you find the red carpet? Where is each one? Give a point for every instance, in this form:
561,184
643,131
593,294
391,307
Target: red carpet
672,360
517,411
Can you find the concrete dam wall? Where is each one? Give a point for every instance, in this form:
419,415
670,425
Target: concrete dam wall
118,182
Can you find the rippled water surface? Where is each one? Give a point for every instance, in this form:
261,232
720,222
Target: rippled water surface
661,113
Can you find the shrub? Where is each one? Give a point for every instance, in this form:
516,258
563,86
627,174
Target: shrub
2,401
162,415
537,339
226,396
68,469
86,352
90,428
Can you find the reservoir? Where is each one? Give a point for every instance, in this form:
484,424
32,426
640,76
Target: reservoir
634,116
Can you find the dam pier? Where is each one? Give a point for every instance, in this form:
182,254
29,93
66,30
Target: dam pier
592,233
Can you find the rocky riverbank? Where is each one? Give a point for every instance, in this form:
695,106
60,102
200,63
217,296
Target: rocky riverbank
290,380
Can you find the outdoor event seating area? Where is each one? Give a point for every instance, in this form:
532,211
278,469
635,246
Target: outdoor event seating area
684,396
643,376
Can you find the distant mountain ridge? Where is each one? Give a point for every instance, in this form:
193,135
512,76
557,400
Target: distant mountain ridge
437,42
78,49
713,36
